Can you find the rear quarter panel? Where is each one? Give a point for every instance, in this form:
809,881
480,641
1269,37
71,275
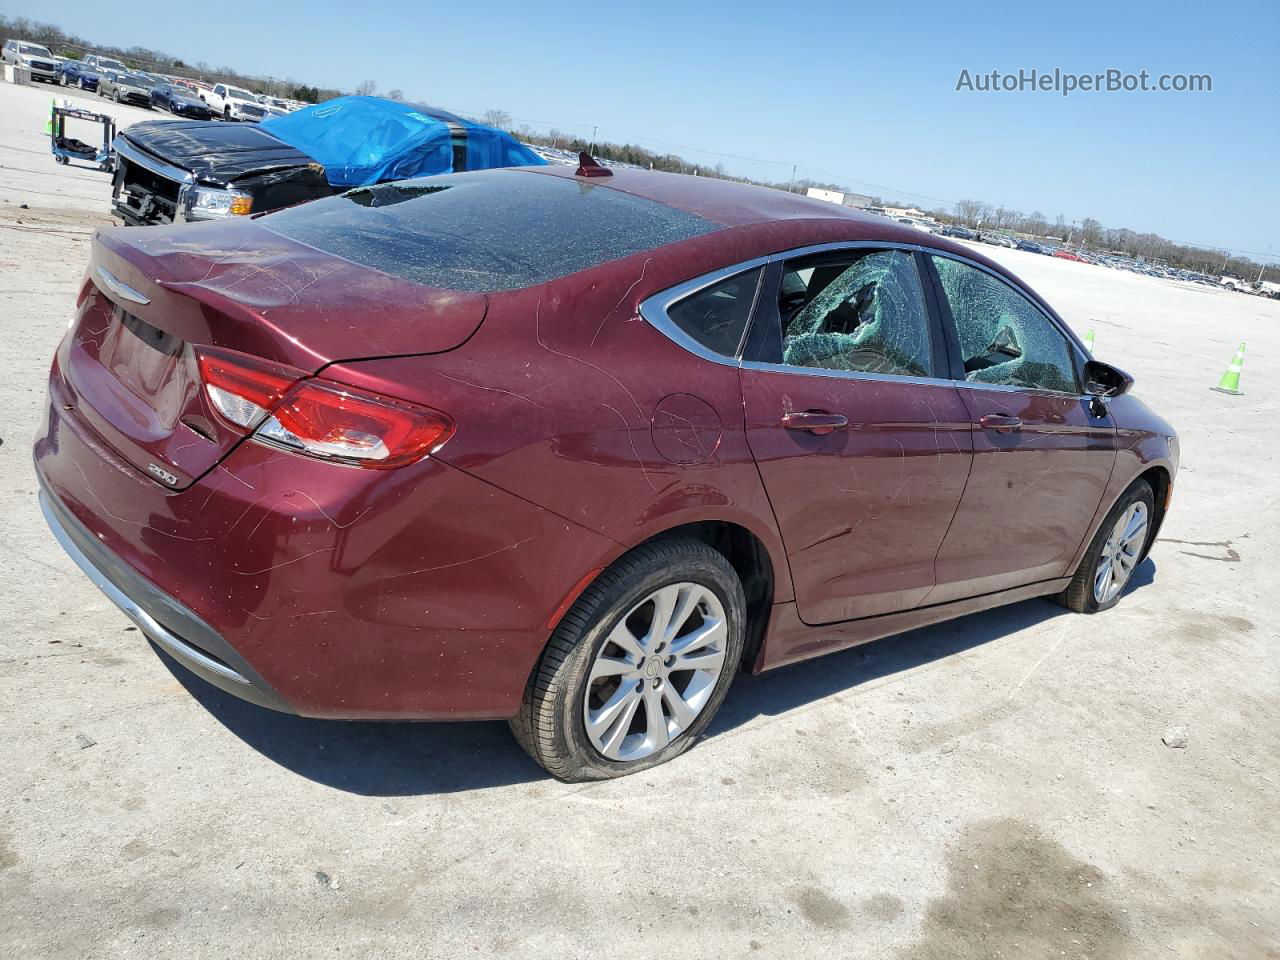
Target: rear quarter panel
565,396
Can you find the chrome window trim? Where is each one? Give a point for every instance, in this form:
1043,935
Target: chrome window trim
654,310
848,374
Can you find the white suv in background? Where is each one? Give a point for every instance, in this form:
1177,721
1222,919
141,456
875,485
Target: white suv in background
36,58
233,103
101,64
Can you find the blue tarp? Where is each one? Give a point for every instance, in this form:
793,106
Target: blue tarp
366,140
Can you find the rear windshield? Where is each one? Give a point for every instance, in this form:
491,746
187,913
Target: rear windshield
485,231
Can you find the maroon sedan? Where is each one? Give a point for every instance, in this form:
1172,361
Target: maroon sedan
571,450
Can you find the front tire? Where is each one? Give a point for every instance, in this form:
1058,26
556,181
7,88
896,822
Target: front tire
1117,549
638,667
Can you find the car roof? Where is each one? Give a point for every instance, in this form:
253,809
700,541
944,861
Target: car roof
726,202
761,221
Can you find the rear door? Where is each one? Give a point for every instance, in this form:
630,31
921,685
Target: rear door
1042,451
862,447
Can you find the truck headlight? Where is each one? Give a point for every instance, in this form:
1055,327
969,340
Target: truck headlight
213,203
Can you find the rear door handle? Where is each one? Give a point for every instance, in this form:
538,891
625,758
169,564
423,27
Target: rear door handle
1000,423
815,421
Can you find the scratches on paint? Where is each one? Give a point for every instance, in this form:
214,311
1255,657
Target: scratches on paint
283,563
621,300
460,563
509,393
626,427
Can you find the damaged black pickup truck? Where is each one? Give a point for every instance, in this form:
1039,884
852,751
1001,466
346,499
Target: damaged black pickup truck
171,171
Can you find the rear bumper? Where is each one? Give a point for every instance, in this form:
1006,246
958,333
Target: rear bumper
162,619
327,591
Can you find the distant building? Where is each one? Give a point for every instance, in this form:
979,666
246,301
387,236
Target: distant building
831,196
911,212
844,199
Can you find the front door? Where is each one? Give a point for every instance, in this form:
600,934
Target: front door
1042,452
863,452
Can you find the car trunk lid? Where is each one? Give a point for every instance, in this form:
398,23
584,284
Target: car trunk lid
153,297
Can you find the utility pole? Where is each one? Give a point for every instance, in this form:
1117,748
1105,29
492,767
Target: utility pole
1225,254
1264,265
592,151
791,188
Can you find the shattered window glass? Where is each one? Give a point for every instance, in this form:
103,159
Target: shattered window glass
485,231
1003,338
865,314
717,316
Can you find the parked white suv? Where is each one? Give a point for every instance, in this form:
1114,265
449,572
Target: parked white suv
233,103
36,58
101,64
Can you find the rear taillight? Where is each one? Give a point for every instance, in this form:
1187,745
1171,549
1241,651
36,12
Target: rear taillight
242,388
279,405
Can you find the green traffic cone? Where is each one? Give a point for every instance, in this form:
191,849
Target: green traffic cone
1230,382
1088,341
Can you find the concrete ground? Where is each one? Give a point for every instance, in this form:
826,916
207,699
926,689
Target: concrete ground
993,787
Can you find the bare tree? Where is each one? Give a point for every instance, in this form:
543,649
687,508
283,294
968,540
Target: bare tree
396,94
970,211
1091,231
496,118
367,88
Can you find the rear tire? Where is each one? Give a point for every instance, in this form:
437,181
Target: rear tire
1115,552
609,696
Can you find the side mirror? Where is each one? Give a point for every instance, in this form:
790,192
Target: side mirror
1103,380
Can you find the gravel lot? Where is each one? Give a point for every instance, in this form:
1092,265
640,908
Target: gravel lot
993,787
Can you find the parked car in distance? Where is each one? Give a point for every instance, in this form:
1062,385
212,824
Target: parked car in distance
125,88
1030,246
76,73
99,64
1068,255
168,170
180,101
958,232
34,56
233,103
368,485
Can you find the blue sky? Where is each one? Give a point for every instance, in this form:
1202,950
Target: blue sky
859,93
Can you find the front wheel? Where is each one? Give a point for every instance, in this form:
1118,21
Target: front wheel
1117,547
639,665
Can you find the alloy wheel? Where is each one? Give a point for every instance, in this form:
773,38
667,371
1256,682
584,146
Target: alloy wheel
655,672
1120,553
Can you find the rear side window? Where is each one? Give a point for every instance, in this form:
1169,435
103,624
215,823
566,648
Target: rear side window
717,316
485,231
1004,339
862,312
